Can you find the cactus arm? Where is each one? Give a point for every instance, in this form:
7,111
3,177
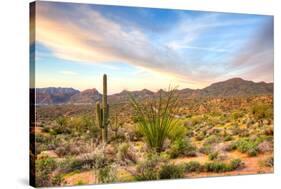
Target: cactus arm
98,115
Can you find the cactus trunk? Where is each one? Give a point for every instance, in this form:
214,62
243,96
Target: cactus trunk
105,107
102,113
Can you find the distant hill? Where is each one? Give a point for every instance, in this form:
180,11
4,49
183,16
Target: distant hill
86,97
53,95
232,87
237,87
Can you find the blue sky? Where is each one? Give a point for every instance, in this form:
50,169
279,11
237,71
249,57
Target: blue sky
148,48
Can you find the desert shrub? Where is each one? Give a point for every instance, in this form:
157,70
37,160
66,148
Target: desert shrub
44,143
182,146
43,169
235,163
61,127
107,174
217,167
236,115
193,166
212,139
230,147
165,155
196,120
71,164
148,169
61,121
123,149
57,179
265,146
72,147
244,133
82,125
245,145
80,182
84,162
156,119
268,131
46,129
262,111
133,134
41,138
228,138
235,130
178,131
200,136
213,155
124,154
206,149
269,162
171,171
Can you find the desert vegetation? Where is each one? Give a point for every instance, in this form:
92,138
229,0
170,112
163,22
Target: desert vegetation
163,136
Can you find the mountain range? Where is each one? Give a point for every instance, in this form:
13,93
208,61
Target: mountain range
230,88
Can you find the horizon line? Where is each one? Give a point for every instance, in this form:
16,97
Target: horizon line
157,89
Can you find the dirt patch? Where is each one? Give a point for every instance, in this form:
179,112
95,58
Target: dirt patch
86,177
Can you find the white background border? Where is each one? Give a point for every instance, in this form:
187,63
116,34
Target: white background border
14,73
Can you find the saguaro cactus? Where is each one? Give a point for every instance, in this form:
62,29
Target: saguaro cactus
102,112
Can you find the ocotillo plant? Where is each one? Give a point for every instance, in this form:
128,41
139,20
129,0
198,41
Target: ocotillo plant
102,112
156,119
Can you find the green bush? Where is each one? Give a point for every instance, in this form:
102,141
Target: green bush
212,140
262,111
124,154
236,115
228,138
83,163
245,145
217,167
182,146
213,155
43,169
206,149
80,182
235,163
148,169
71,164
107,174
235,130
122,151
171,171
178,132
220,167
57,179
193,166
61,127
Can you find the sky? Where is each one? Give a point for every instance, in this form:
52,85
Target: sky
149,48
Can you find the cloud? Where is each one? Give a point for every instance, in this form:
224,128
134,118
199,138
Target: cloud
82,34
181,46
255,59
95,39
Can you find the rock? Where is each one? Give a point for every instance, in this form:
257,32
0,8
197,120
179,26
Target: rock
49,153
